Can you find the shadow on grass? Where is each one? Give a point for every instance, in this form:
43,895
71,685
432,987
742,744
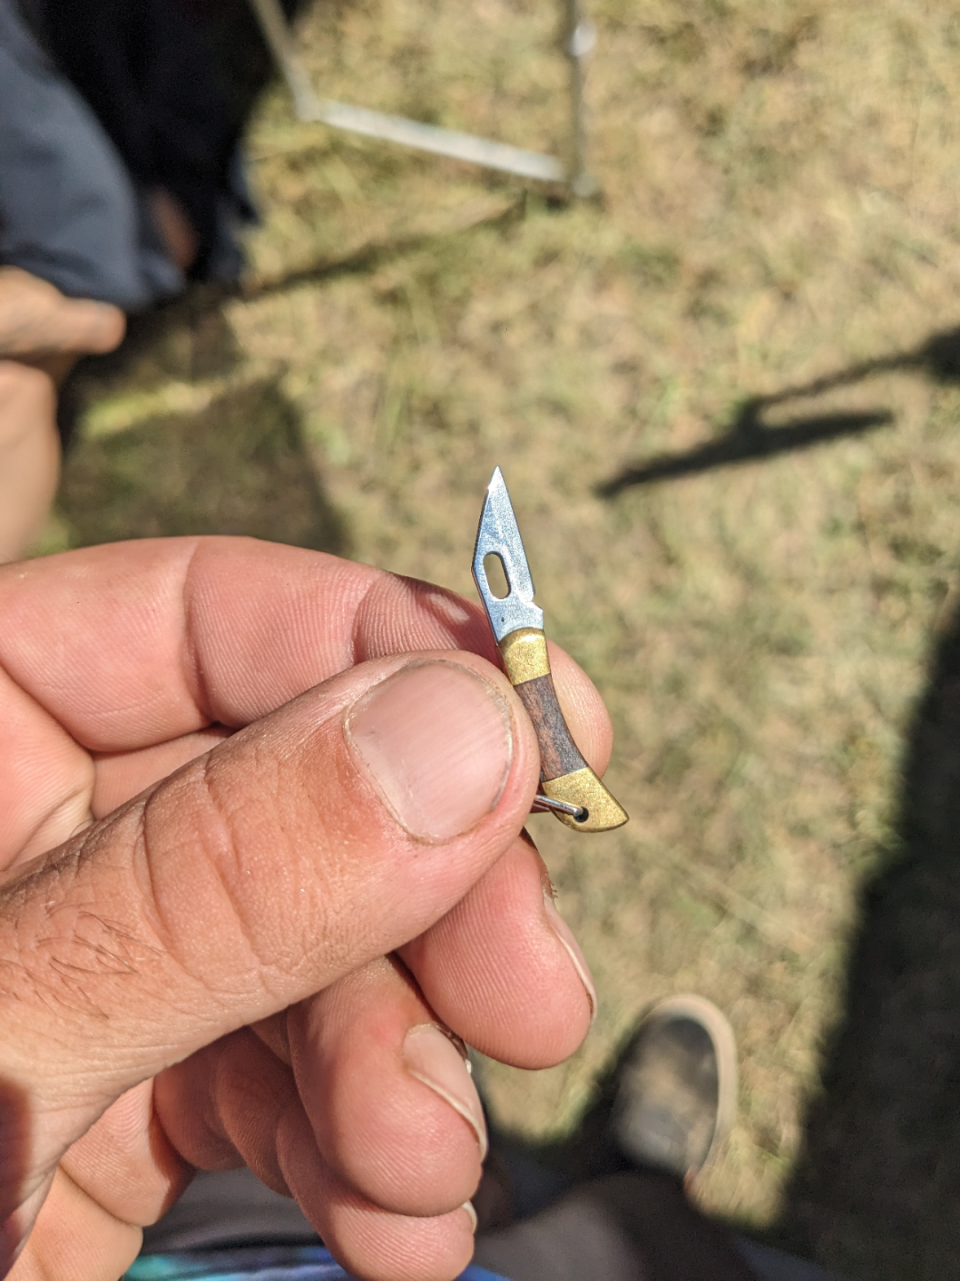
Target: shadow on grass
240,467
750,438
204,300
198,313
376,253
877,1192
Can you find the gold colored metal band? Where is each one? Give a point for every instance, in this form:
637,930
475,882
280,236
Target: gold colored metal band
525,655
584,789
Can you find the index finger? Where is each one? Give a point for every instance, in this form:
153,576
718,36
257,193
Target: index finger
132,644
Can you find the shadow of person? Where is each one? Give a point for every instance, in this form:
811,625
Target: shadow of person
877,1192
185,338
751,436
748,440
239,467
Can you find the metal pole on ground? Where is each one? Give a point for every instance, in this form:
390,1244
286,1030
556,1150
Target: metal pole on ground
580,37
487,153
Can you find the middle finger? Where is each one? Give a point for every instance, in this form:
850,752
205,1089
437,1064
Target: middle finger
388,1092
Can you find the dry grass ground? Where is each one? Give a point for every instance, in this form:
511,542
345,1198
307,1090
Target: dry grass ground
779,206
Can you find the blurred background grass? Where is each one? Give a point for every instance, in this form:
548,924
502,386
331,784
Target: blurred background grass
725,398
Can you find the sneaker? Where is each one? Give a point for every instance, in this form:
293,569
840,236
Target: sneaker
676,1093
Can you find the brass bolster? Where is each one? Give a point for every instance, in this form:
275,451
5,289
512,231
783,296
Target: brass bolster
584,789
525,655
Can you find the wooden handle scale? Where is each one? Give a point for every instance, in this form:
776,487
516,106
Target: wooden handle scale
565,775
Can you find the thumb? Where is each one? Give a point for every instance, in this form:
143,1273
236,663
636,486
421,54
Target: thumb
37,320
323,836
88,328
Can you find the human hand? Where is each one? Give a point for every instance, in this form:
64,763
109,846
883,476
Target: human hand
196,978
38,322
42,334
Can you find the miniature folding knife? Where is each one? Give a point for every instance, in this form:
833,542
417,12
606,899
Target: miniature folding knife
570,788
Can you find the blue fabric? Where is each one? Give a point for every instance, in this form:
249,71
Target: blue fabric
74,200
255,1263
68,210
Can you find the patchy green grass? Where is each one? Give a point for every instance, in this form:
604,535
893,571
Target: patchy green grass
779,206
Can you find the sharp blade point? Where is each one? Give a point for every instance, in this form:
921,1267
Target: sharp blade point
498,533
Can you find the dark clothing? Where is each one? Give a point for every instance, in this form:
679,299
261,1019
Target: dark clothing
629,1227
68,210
144,69
102,102
634,1226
